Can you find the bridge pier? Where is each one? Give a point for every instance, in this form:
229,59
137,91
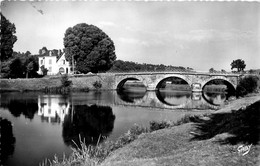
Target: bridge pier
151,87
196,87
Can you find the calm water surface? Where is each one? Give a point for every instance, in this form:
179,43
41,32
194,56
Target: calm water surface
42,125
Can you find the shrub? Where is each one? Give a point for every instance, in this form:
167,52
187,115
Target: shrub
65,82
154,125
247,85
97,85
130,136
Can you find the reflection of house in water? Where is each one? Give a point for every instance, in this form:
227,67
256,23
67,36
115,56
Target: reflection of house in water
53,108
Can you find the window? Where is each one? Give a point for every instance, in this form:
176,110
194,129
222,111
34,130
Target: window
50,69
41,61
49,61
64,62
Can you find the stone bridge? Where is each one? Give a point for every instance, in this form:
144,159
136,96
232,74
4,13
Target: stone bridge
196,80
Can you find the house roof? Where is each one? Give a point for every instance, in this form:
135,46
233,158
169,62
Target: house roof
47,54
63,54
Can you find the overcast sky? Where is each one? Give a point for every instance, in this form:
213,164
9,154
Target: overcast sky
200,35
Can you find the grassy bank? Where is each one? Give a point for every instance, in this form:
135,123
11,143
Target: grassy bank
206,140
53,83
198,139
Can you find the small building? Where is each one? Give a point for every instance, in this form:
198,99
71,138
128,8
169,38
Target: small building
54,61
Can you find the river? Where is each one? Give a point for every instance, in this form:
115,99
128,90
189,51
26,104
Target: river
42,125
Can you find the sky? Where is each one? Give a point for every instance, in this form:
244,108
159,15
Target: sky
200,35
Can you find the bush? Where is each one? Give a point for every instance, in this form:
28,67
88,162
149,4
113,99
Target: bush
154,125
97,85
247,85
65,82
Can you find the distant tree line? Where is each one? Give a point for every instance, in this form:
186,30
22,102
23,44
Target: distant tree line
127,66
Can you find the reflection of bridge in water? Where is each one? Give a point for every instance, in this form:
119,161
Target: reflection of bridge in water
151,99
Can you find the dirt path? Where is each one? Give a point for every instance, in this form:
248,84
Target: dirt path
177,146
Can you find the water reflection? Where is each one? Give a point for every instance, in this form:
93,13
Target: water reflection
215,98
53,108
7,139
88,123
173,98
18,107
131,96
41,121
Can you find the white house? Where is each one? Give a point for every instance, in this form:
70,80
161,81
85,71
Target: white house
54,62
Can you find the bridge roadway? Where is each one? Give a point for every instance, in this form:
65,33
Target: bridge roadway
196,80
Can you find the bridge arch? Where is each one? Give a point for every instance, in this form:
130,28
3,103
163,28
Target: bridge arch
123,80
165,77
230,85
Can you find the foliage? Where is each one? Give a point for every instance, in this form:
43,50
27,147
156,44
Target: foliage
82,155
126,66
246,85
7,38
97,85
157,125
21,65
242,124
223,71
211,70
65,82
44,70
91,49
154,125
241,91
131,135
239,64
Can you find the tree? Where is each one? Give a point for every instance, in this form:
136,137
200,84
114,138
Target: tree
32,66
44,70
7,38
211,70
89,47
223,71
21,65
239,64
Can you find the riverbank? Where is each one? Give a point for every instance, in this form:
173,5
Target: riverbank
83,83
51,82
214,140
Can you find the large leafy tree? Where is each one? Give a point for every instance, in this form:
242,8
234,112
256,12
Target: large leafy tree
90,48
7,38
239,64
